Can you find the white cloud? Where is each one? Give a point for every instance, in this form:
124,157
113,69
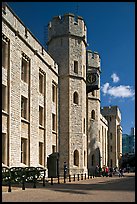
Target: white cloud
105,88
115,78
118,91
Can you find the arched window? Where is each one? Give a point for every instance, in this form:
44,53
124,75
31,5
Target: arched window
93,159
75,97
76,158
93,114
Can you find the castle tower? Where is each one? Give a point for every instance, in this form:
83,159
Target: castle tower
93,111
67,45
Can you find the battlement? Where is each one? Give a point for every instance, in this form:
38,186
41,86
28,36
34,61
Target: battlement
68,24
93,60
111,111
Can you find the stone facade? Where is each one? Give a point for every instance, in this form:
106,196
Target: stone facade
68,37
113,116
23,45
45,104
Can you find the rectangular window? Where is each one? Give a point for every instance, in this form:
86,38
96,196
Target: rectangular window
23,150
84,125
84,71
111,136
41,153
76,67
111,148
53,122
41,121
54,93
4,148
53,148
25,70
41,83
4,98
24,107
5,54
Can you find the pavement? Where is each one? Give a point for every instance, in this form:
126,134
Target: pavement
97,189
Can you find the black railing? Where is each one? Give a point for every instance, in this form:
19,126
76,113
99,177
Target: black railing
22,175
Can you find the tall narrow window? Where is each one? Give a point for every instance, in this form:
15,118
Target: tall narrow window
93,93
111,148
5,54
84,126
93,114
4,98
4,148
84,71
84,158
111,135
76,158
25,70
41,121
24,150
41,83
92,160
53,122
76,67
53,148
75,98
41,153
24,107
54,93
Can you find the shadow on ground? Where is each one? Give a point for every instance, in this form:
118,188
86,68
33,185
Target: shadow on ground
117,184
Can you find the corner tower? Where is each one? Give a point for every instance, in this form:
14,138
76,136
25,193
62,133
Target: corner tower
93,110
67,43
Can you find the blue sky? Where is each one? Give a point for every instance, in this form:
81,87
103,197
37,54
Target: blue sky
110,32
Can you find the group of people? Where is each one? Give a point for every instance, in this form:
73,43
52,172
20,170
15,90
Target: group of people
107,171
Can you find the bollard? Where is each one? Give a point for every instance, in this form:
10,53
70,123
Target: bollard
34,179
9,182
58,180
44,179
69,178
85,176
74,177
88,173
81,176
64,178
51,180
23,182
78,177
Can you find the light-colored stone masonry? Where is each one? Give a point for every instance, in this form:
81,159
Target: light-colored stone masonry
19,127
67,37
75,129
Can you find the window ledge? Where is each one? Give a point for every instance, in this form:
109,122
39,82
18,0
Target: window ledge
24,120
53,131
41,127
5,112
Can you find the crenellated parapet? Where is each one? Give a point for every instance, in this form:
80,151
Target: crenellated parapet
67,25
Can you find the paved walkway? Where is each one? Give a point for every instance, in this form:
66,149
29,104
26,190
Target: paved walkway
99,189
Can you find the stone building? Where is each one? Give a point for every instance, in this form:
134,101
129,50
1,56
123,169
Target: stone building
113,116
29,96
51,98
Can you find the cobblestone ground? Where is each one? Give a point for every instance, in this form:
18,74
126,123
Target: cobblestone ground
99,189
